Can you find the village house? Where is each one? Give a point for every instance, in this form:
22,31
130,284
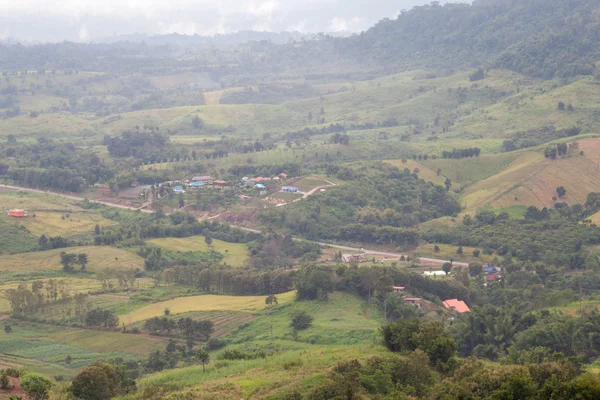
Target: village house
415,301
457,306
353,257
220,183
16,213
399,290
207,180
282,176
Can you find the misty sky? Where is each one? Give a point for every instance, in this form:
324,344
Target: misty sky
84,20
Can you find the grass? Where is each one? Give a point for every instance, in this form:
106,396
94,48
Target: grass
342,330
182,305
236,254
59,224
447,251
342,319
99,257
280,375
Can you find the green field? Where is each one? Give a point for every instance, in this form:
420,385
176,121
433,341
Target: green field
50,345
236,254
207,302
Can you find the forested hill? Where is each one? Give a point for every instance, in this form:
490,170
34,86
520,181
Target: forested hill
543,38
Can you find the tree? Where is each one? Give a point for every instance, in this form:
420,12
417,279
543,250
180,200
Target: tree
459,250
447,267
4,381
561,106
97,229
8,329
68,360
561,191
270,302
67,260
436,248
448,184
208,238
204,358
476,253
301,320
99,381
197,123
181,201
82,259
36,387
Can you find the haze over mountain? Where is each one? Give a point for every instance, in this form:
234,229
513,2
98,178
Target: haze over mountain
88,20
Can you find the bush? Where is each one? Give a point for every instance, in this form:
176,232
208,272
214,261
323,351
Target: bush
216,343
301,320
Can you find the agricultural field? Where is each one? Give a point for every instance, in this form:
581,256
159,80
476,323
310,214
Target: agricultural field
236,254
99,257
62,224
50,345
532,179
182,305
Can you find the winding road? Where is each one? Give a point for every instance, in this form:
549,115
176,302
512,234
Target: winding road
335,246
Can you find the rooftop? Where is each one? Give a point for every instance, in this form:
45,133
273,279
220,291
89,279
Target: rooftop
456,305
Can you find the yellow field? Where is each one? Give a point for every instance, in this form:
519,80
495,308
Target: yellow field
236,254
99,257
34,201
203,303
53,224
213,98
532,180
425,173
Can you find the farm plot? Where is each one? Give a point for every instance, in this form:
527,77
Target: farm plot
236,254
180,305
99,258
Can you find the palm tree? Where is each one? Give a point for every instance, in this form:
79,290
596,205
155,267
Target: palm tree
204,358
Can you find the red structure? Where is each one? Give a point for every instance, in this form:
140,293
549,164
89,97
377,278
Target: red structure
16,213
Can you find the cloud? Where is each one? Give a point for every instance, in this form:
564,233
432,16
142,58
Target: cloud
92,19
341,24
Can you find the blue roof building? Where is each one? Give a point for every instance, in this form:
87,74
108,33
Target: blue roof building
197,184
260,186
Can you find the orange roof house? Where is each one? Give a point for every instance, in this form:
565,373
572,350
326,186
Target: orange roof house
282,175
458,306
220,183
16,213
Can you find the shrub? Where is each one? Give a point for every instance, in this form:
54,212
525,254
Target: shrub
216,343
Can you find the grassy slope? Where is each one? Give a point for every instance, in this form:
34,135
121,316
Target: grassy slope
342,329
532,179
236,254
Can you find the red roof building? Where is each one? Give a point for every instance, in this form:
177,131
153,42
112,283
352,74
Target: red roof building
220,183
455,305
492,277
